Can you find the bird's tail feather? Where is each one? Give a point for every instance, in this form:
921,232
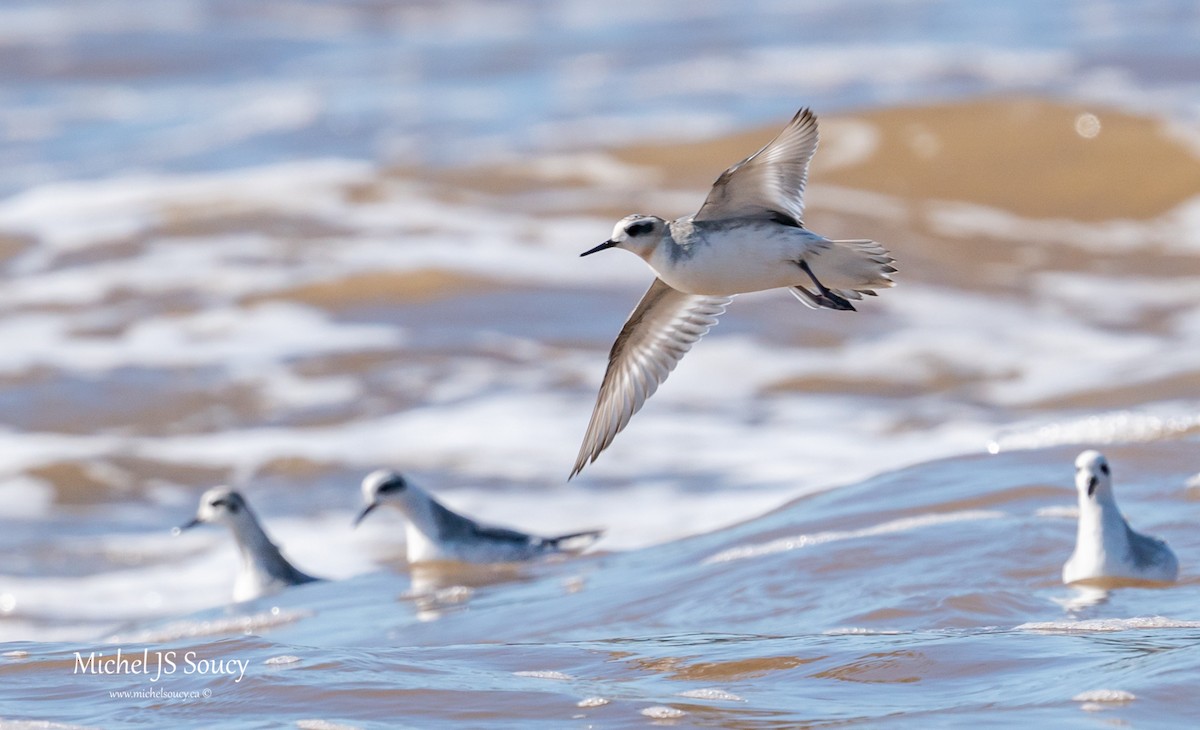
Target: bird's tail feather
576,542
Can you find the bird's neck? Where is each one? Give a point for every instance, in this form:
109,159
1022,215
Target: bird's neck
258,553
420,515
423,540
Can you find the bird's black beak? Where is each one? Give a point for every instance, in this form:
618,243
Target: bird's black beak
366,511
607,244
1092,482
186,526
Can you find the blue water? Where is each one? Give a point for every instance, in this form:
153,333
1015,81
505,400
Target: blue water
957,620
206,84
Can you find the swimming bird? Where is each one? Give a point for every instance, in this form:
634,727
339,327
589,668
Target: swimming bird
434,533
264,570
1106,547
749,235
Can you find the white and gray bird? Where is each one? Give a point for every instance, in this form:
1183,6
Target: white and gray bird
748,236
263,569
434,533
1106,547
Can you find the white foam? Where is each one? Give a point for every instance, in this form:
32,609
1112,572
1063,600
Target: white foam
1105,428
1063,512
771,69
1105,695
662,712
240,339
543,674
66,216
710,694
39,725
24,497
190,629
318,724
1109,625
1173,230
797,542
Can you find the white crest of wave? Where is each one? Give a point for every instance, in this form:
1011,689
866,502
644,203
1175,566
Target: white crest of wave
1109,625
819,538
1106,428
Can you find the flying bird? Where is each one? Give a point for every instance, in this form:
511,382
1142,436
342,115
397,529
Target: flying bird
749,235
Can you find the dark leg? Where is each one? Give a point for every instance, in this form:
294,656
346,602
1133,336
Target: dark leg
825,298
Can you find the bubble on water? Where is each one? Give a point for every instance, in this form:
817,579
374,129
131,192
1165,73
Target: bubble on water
1105,695
662,712
543,674
860,631
1087,125
711,694
316,724
592,702
282,659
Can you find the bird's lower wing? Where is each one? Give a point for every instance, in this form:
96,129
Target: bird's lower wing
659,332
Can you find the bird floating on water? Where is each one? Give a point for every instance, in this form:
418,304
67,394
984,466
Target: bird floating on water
263,569
1106,547
749,235
435,533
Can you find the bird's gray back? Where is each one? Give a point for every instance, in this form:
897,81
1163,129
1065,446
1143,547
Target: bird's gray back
279,568
453,527
1147,551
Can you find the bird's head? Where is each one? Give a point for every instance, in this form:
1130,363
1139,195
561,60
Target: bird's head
382,485
637,233
218,505
1092,475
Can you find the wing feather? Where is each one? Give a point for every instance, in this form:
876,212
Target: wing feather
659,332
770,182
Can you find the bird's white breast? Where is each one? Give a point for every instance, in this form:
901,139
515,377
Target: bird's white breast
422,548
1103,549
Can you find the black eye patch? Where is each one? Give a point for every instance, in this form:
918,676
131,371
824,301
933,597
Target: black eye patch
1104,469
393,485
231,505
637,229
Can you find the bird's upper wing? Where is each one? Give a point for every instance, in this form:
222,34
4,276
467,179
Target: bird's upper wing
503,534
452,526
660,331
770,182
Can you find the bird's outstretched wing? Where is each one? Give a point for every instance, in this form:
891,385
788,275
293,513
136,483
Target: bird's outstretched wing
660,331
769,183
